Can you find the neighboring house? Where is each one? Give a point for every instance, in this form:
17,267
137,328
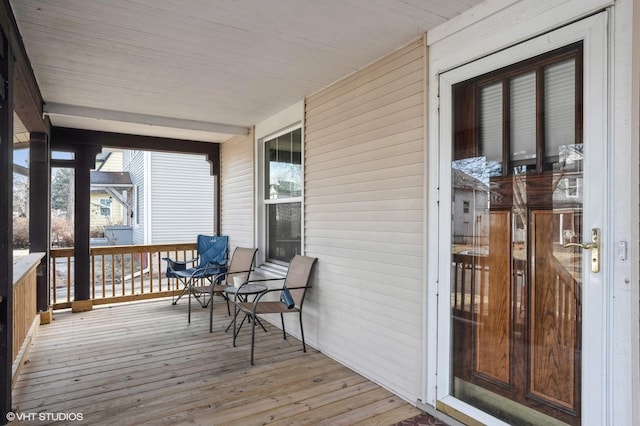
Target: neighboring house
110,188
470,209
172,196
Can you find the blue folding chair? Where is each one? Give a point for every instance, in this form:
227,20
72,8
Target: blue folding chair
211,262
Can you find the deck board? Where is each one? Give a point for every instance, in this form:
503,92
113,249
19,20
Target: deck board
141,363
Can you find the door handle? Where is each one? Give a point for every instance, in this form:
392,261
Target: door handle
594,246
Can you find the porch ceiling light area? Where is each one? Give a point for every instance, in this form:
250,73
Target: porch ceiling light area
63,115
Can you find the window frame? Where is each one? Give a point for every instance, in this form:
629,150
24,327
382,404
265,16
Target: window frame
105,206
267,201
284,122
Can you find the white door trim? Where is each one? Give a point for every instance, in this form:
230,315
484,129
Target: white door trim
597,168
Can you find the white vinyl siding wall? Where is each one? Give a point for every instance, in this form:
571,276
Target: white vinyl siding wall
134,164
236,193
114,163
364,219
182,194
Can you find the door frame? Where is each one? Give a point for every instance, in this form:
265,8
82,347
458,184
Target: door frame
593,31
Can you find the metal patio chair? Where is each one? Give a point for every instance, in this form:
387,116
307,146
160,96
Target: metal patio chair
240,268
210,262
296,284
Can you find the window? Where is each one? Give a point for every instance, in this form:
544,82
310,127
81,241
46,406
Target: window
573,187
105,207
465,207
282,196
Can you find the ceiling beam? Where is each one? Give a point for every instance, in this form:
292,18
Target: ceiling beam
64,139
150,120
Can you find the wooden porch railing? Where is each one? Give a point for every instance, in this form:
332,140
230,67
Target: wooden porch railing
25,311
118,273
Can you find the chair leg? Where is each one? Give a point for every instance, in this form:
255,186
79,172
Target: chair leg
253,336
200,297
204,295
235,315
304,347
211,313
284,333
226,299
189,316
182,292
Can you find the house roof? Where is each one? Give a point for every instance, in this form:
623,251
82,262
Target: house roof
110,179
463,180
205,70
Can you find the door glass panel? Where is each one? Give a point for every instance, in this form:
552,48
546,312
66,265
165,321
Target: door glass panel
559,107
491,123
523,117
516,288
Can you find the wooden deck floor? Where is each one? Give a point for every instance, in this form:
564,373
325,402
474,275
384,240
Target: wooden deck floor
141,363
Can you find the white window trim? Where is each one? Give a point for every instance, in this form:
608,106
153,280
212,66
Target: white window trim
284,122
107,205
573,187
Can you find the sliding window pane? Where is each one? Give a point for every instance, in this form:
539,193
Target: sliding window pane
283,232
283,168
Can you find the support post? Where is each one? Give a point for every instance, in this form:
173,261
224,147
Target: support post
40,211
213,157
85,158
6,227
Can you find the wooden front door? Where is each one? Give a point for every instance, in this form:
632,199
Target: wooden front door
517,206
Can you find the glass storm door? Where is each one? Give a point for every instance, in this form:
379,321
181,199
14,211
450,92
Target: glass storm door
517,272
517,181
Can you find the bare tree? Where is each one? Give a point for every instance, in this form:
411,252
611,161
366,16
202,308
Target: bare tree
20,196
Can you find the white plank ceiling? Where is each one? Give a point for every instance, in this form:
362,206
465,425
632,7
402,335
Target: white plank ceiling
205,69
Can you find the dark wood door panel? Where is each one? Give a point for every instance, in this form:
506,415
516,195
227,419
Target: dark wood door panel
555,319
493,323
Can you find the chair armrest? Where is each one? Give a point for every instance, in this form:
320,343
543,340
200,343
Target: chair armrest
225,273
271,290
266,279
259,296
180,262
178,265
210,269
235,295
257,281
